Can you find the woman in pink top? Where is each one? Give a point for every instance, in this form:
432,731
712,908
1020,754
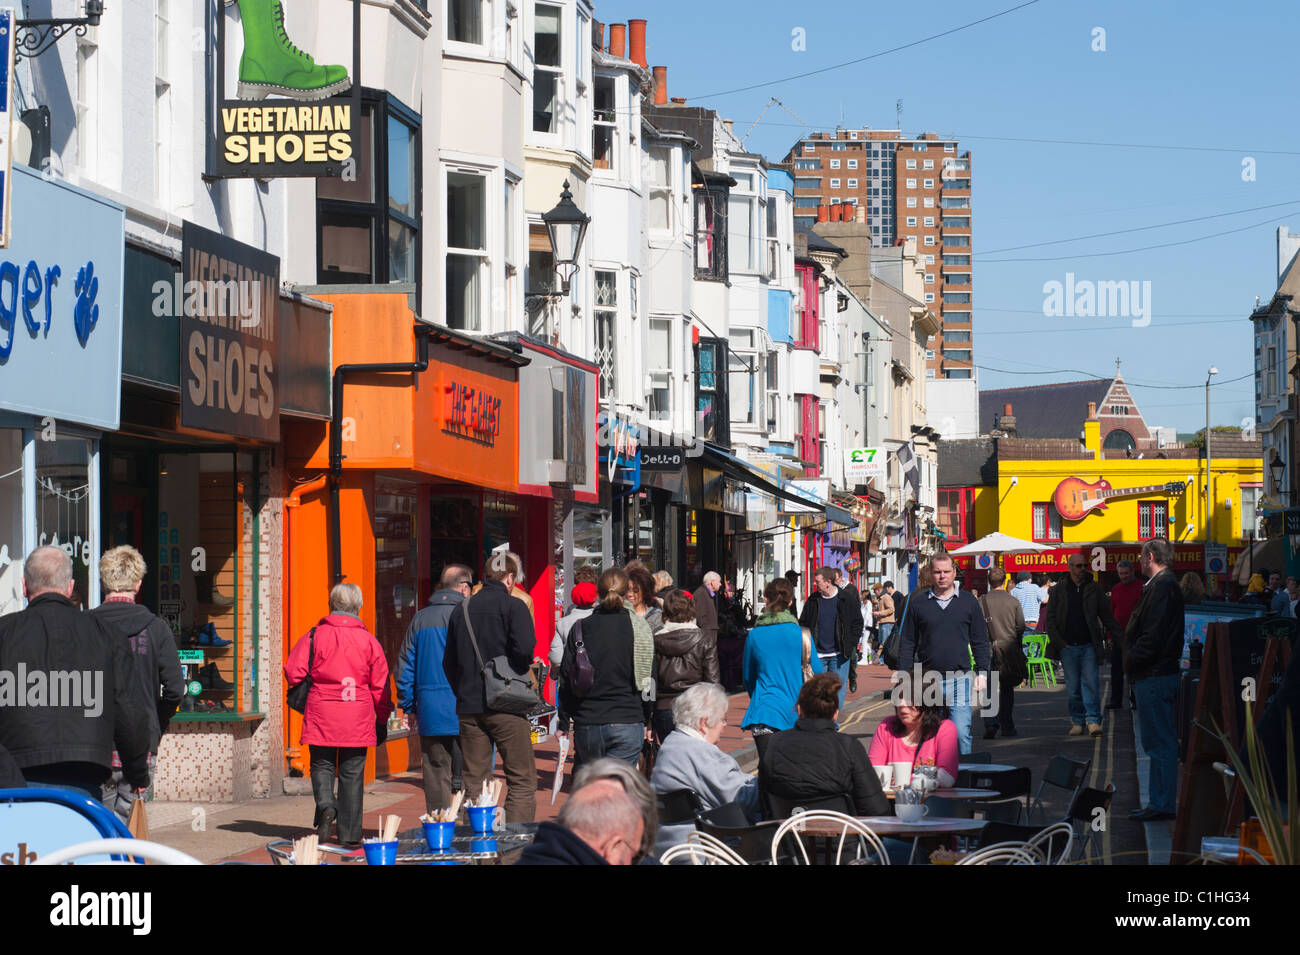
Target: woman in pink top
921,735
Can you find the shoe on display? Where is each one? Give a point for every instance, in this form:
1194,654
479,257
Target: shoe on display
215,681
271,64
1076,730
208,636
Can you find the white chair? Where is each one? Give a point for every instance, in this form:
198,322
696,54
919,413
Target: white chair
1043,842
713,842
847,825
139,848
1005,853
699,853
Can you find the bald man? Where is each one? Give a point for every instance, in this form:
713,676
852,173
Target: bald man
598,825
65,736
706,605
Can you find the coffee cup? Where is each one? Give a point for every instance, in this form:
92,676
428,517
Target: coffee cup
902,774
911,813
886,775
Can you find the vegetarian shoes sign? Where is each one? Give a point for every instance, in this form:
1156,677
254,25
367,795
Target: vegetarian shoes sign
297,107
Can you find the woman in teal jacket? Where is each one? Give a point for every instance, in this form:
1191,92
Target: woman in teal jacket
773,667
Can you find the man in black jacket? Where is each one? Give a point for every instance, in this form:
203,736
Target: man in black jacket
501,626
60,723
152,648
834,617
1153,644
1078,619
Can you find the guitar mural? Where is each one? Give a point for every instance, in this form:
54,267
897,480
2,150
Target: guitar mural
1075,498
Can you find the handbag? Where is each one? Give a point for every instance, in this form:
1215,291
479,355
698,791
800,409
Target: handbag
297,695
807,654
893,646
507,690
581,675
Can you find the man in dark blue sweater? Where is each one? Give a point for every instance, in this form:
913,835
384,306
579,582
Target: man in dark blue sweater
943,629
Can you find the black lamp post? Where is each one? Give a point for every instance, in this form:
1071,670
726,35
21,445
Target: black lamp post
1276,468
566,227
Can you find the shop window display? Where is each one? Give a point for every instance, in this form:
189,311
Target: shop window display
64,503
396,563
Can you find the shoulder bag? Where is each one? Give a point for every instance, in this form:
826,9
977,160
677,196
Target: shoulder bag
507,690
581,675
297,695
894,645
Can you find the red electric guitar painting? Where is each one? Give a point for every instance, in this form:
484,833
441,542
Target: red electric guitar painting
1074,497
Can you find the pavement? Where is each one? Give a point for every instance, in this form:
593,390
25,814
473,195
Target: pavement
240,831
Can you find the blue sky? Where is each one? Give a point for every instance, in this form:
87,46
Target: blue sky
1187,74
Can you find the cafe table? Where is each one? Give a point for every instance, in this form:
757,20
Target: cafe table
467,847
928,827
953,792
985,767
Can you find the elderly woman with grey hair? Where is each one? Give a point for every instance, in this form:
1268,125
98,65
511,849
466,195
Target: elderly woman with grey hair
347,700
690,759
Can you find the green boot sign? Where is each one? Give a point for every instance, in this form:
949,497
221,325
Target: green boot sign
291,115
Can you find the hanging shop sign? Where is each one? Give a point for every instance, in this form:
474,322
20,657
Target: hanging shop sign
61,304
294,69
662,459
228,306
1075,498
865,464
557,411
816,490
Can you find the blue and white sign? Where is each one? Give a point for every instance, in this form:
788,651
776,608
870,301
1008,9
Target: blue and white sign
7,39
61,304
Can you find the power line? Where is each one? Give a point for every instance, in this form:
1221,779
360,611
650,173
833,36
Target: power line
864,59
1132,384
1144,248
1141,228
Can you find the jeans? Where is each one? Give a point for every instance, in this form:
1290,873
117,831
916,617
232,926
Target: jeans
662,723
617,740
956,695
512,736
84,779
840,667
1006,701
1080,665
1155,698
1117,673
351,773
441,762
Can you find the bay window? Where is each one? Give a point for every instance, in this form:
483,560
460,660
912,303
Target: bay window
659,181
548,68
604,133
659,363
606,327
467,249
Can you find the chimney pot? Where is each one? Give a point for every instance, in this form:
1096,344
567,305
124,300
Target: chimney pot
861,212
1006,409
598,34
823,213
661,85
636,40
1092,410
837,212
678,100
617,39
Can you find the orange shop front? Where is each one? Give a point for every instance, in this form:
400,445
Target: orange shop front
429,476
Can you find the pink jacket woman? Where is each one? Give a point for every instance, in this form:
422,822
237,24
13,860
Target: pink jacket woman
349,689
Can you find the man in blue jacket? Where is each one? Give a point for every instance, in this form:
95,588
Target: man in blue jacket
422,687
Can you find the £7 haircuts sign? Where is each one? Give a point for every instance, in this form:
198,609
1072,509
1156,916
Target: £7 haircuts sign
295,80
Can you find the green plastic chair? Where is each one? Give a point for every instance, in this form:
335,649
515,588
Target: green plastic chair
1036,655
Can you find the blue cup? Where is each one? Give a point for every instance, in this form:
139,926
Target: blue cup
482,819
438,834
380,853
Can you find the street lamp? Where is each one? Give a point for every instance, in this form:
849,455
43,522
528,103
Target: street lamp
1276,468
566,225
1208,502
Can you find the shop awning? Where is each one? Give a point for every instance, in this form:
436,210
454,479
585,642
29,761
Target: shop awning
739,470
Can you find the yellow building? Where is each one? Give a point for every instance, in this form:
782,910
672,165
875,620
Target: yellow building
1078,497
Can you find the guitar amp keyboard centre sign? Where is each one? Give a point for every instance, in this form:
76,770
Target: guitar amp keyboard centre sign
1186,557
294,112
